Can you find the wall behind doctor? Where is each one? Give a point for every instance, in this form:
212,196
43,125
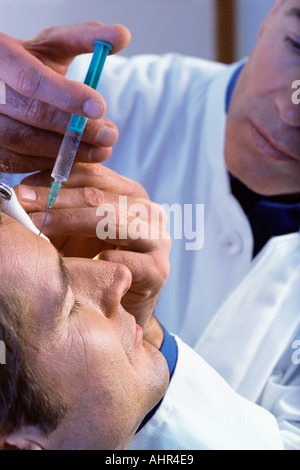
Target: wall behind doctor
250,15
157,26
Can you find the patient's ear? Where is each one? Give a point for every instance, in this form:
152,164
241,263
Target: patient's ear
28,438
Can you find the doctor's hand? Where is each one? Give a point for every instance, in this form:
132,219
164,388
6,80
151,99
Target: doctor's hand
39,99
131,230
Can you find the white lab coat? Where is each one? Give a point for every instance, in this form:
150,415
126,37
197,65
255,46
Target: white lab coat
258,328
201,412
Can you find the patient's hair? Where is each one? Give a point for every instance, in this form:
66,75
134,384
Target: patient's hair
24,398
2,169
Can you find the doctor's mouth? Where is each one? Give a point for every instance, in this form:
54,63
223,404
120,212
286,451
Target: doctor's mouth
265,144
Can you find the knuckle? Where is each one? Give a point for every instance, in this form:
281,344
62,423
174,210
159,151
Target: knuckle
160,270
94,23
44,35
66,220
159,215
29,81
163,271
93,170
139,190
39,113
106,256
49,31
93,197
26,138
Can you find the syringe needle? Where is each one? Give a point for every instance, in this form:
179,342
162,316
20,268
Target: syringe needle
44,221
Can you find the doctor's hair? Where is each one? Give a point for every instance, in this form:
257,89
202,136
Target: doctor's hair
25,399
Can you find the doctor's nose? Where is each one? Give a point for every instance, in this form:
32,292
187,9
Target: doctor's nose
288,107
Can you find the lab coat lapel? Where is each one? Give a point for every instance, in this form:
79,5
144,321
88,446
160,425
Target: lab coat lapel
258,322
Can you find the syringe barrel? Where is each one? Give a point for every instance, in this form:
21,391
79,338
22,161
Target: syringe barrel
66,155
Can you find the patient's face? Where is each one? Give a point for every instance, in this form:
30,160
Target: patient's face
83,342
263,126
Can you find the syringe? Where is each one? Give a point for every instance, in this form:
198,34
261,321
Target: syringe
72,137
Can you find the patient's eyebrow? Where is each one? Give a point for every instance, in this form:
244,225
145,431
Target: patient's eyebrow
64,282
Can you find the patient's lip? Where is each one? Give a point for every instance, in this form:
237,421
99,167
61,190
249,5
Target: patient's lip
265,144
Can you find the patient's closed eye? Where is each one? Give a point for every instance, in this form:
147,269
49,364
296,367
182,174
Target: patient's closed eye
293,43
75,308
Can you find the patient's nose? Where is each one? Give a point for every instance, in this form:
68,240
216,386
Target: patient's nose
117,282
100,282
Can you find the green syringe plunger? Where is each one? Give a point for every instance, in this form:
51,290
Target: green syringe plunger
55,188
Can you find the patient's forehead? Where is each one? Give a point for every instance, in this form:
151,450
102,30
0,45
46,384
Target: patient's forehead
14,237
18,252
23,253
29,271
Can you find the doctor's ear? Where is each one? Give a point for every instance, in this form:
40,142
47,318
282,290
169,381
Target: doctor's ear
28,438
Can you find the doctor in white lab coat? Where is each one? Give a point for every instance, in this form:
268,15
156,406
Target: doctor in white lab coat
189,129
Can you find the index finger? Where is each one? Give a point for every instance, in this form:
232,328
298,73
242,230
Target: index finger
27,75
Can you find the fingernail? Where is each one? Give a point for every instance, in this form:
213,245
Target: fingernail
93,109
108,136
39,217
27,194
